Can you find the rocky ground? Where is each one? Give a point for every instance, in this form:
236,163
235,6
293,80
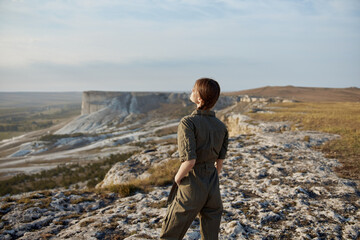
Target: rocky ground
274,185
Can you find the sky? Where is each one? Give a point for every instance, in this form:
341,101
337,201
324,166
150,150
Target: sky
165,45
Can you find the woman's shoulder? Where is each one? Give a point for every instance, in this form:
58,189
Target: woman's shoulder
195,120
186,118
187,121
221,123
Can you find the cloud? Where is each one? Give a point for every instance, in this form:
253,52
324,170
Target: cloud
252,39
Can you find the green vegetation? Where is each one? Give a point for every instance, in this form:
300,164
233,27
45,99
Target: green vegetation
342,118
16,121
160,175
54,138
61,176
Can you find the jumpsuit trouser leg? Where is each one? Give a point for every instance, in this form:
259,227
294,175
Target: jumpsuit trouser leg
210,214
197,193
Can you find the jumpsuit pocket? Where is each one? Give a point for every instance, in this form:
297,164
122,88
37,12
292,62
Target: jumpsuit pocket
185,192
172,193
185,180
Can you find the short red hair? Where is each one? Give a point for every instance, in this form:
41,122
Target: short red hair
209,91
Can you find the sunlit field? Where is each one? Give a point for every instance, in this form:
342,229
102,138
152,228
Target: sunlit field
338,118
17,121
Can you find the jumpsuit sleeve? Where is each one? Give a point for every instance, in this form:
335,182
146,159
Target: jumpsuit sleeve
224,146
186,140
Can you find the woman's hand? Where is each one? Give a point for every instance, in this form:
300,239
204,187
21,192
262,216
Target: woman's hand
184,169
177,180
219,164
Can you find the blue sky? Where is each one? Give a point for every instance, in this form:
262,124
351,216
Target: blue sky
165,45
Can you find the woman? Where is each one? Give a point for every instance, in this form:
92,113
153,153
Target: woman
202,145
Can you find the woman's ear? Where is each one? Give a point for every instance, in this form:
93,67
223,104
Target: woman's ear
200,101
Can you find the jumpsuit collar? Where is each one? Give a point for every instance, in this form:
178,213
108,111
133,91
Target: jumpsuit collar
203,112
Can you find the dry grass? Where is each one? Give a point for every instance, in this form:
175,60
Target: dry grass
124,189
163,174
86,222
157,204
341,118
80,200
160,175
45,203
163,141
305,94
46,236
70,216
166,131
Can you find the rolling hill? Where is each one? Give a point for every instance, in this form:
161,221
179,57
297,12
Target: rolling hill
305,94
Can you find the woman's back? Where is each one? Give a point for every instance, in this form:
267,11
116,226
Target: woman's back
209,135
202,145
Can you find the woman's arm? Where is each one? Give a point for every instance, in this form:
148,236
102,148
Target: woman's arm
184,169
219,164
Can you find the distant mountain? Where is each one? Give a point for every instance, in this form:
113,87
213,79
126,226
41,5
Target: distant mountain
306,94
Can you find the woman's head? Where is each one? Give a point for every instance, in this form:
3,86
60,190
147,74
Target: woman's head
205,93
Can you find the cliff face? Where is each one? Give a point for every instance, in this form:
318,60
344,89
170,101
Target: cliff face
93,101
130,102
142,102
103,109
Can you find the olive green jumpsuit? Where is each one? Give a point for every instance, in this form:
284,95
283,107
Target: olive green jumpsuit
203,137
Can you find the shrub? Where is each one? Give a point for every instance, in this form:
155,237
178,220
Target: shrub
124,190
53,138
306,138
61,176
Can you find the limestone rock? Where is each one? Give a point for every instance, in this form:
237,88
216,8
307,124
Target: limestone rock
274,185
